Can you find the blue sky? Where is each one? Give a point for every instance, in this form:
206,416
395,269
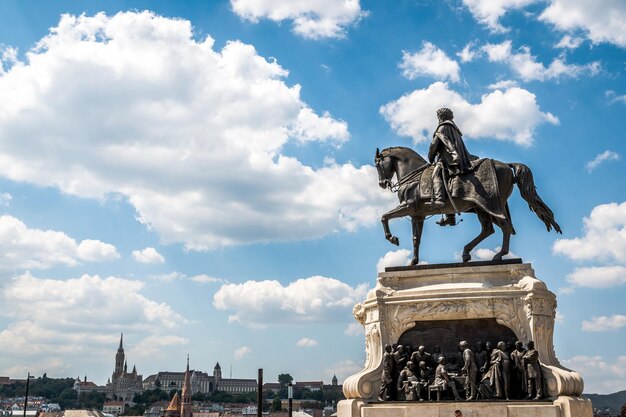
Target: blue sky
198,175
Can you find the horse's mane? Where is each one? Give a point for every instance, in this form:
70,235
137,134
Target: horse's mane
402,153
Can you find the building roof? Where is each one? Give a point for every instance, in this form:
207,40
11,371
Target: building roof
72,413
174,404
236,380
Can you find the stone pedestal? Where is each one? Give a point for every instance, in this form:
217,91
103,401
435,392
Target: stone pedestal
453,303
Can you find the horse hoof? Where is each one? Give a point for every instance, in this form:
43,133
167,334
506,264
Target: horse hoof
497,257
414,261
466,257
394,240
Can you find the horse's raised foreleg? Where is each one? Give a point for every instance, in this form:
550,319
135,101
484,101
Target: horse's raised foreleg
486,231
418,226
402,210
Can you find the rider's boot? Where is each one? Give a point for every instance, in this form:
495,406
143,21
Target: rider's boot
448,220
438,193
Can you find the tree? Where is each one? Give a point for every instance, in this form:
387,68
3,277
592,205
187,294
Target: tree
277,405
623,413
285,379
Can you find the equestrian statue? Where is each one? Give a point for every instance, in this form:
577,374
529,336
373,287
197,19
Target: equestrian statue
455,182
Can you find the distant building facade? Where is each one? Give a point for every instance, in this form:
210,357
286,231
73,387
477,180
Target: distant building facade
113,407
310,385
85,386
200,382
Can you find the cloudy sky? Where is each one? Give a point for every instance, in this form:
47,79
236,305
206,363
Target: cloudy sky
198,175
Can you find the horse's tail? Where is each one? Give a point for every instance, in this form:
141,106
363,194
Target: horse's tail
526,185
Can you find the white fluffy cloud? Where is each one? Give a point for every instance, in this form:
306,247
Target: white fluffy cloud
512,114
95,250
311,19
525,65
354,329
150,347
604,236
502,85
344,369
400,257
306,342
80,316
148,255
601,158
484,254
24,248
5,199
489,12
569,42
175,275
241,352
599,20
614,97
467,54
600,374
111,300
309,300
598,276
133,105
429,61
604,323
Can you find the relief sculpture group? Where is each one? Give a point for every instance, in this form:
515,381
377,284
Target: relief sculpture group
507,372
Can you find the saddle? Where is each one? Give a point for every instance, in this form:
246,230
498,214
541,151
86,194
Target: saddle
480,186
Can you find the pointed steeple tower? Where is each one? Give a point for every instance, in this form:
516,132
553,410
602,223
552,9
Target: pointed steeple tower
335,381
119,359
125,367
185,406
173,409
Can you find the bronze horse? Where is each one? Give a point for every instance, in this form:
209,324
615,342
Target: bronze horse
405,163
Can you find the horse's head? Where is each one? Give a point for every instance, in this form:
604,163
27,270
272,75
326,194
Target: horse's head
384,166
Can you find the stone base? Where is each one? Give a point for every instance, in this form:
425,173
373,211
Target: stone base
450,303
561,407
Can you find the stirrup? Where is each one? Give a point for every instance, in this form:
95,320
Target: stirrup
447,220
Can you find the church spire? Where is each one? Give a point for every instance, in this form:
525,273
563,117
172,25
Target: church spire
119,359
185,409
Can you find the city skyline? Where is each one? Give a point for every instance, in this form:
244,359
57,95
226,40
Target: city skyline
199,175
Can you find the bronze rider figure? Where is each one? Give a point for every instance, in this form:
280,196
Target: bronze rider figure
447,151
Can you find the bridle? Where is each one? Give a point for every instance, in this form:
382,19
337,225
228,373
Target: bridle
394,187
382,174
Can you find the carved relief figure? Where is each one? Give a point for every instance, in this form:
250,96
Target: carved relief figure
386,385
408,383
533,371
470,370
498,374
518,374
424,376
442,378
482,358
420,355
400,359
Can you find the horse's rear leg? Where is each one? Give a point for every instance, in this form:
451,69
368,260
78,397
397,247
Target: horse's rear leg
486,231
506,237
418,226
507,228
